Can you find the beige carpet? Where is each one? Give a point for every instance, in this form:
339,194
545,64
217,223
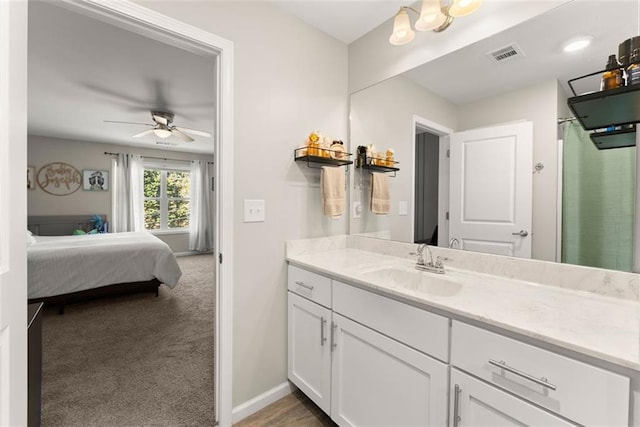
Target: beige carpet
136,359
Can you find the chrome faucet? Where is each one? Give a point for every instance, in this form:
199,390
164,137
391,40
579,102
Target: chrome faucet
454,241
430,266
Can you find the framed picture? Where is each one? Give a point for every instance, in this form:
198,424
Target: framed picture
31,177
95,180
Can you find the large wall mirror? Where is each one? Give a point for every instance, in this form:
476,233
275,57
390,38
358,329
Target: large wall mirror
576,202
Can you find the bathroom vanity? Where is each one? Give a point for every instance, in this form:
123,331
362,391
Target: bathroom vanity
373,341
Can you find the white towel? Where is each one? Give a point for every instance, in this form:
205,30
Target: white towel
380,195
333,190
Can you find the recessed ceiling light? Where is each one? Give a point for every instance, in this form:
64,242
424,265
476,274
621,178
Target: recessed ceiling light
577,43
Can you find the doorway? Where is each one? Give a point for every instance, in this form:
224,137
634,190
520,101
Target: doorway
138,19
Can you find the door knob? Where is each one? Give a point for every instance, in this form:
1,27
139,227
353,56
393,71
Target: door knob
521,233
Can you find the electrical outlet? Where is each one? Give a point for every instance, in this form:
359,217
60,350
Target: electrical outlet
357,209
254,211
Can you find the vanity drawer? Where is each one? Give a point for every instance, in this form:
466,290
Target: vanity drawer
420,329
583,393
309,285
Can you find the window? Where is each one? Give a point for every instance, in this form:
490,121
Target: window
166,199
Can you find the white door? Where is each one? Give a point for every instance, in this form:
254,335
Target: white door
13,213
309,351
477,404
377,381
491,189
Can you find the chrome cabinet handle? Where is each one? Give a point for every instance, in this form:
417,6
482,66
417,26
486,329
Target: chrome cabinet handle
323,339
456,405
334,331
521,233
300,283
540,381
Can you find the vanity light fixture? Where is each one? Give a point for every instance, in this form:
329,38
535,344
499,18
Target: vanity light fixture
435,15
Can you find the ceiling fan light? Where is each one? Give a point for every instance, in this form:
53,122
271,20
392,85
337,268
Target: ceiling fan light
162,133
464,7
402,32
431,16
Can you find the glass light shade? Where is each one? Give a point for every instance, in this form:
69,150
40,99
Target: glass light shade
431,16
464,7
162,133
402,32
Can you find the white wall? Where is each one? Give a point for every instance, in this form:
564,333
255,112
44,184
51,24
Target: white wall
289,79
383,115
373,59
538,103
83,155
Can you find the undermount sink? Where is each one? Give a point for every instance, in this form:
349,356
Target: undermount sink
414,280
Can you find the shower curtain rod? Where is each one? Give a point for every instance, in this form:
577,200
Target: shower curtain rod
156,158
562,120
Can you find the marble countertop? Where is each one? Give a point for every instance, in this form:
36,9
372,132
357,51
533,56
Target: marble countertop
599,326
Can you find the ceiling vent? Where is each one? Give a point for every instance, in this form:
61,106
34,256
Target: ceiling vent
507,53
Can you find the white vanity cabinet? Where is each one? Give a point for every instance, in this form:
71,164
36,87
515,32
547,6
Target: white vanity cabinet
355,373
309,350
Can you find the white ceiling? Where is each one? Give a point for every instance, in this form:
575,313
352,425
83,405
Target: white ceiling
346,21
83,71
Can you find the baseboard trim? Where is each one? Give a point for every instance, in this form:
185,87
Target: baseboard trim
252,406
188,253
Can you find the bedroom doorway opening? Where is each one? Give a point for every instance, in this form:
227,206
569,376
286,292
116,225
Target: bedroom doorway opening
129,17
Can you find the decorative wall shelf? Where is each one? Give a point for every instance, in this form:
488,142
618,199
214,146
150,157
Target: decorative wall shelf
380,168
608,108
337,158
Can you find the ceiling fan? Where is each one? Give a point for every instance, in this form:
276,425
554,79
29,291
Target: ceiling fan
163,127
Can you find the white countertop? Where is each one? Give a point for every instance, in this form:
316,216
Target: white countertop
603,327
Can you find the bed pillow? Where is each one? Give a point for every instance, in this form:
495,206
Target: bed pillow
30,239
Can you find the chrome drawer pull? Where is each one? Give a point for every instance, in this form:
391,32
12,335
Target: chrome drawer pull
540,381
299,283
323,339
456,406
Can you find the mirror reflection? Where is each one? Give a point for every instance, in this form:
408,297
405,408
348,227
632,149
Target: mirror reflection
546,193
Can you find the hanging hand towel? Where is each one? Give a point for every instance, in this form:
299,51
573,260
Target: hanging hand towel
333,190
380,196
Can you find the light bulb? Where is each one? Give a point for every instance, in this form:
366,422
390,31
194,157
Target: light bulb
464,7
402,32
162,133
431,16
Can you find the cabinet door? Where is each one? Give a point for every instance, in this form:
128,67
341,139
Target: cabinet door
309,352
377,381
475,403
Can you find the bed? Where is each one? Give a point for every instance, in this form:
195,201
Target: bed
64,269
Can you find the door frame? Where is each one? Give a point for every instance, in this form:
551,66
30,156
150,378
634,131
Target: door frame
418,122
141,20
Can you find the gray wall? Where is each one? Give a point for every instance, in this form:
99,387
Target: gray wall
427,156
83,155
289,79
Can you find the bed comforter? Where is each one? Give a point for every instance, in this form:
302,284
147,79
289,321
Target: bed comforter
60,265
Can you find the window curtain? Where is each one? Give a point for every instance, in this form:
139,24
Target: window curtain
598,202
201,219
128,211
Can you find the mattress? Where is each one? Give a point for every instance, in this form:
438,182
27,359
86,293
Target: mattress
60,265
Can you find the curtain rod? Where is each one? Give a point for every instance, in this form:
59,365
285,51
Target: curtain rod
156,158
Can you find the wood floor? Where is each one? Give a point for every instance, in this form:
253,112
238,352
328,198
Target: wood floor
293,410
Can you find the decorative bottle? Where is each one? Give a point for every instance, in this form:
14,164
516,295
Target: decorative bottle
613,76
633,70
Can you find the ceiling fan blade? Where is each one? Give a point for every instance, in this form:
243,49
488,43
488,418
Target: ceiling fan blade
181,135
143,133
128,123
194,131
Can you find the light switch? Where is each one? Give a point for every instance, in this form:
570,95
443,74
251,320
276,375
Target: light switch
254,211
357,209
403,208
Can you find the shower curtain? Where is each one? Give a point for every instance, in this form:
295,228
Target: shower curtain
598,202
